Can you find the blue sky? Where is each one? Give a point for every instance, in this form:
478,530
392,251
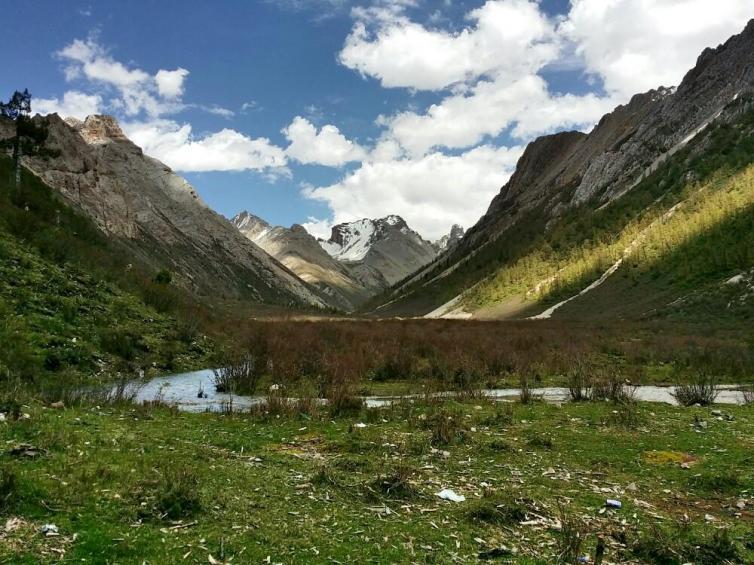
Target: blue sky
414,107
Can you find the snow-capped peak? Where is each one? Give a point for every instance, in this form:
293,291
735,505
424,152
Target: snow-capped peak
352,241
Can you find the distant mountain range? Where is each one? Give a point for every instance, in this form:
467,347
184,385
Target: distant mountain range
360,260
651,214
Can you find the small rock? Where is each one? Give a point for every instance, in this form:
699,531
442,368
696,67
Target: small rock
741,504
59,405
49,530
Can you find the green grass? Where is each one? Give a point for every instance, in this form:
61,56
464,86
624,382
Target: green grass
133,484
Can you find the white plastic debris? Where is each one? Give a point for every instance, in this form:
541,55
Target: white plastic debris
275,387
451,495
360,425
610,503
49,530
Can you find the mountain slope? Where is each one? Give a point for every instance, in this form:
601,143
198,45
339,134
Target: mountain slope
158,216
563,180
301,253
69,306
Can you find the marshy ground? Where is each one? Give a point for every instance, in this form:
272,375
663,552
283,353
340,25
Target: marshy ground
294,484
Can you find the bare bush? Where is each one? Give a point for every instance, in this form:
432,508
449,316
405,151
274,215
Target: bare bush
702,390
748,395
238,375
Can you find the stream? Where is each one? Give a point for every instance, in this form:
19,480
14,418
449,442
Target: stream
182,390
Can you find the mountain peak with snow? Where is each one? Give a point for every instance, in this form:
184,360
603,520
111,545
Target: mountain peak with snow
352,241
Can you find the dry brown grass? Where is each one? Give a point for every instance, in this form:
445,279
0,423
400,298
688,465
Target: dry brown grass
469,355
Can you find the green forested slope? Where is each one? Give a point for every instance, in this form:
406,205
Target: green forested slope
72,303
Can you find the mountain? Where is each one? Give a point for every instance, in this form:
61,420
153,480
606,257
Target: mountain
582,212
379,252
157,216
451,239
302,254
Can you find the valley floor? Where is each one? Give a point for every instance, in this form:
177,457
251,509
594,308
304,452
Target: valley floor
127,484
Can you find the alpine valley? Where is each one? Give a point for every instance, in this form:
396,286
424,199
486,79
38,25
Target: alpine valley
568,378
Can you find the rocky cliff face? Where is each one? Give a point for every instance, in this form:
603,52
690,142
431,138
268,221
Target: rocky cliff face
450,240
158,215
301,253
379,252
568,169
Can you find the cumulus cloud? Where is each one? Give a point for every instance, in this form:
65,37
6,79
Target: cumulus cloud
226,150
506,38
431,193
170,83
73,104
326,147
136,91
637,45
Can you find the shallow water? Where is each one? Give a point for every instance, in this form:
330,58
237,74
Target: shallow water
182,391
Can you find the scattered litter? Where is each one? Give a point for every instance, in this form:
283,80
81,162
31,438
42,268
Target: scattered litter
448,494
360,425
584,559
710,518
275,387
611,503
49,530
440,453
741,504
12,524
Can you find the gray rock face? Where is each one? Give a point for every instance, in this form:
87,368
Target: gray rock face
450,240
570,168
158,215
301,253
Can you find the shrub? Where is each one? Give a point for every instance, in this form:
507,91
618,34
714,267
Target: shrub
8,487
238,375
703,390
178,494
717,481
396,483
579,380
748,395
572,534
503,511
445,428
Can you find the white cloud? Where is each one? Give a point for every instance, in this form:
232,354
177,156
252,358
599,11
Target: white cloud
74,104
226,150
326,147
637,45
170,83
489,108
431,193
507,38
318,228
136,91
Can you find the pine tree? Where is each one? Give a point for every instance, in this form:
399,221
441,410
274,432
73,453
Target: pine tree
30,137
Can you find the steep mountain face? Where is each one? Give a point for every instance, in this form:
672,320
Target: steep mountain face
301,253
379,252
451,239
158,216
569,171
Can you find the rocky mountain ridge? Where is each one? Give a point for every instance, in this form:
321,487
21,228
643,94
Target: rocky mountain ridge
359,260
563,171
157,215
